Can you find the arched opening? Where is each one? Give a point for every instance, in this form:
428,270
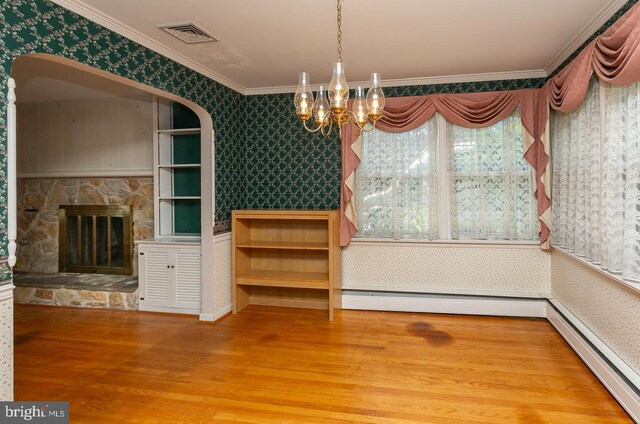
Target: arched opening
111,161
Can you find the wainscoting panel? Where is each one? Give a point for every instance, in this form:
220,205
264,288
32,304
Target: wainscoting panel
6,342
609,309
222,275
432,268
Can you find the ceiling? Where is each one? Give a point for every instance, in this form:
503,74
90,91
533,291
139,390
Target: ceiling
265,43
41,80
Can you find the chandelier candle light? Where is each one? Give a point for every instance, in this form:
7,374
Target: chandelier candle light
327,110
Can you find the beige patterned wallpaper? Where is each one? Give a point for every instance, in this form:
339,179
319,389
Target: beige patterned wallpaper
221,273
609,309
6,346
495,270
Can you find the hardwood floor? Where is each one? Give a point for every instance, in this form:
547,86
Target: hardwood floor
277,365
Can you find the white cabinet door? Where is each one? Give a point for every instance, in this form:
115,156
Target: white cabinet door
154,276
170,278
187,278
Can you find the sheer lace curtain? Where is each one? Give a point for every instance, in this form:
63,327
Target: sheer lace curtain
490,183
396,184
596,180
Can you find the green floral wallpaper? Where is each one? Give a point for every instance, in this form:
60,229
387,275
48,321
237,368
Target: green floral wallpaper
28,26
286,166
464,87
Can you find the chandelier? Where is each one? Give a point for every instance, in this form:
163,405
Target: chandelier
330,106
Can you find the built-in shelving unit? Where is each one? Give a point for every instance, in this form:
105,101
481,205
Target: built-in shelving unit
286,258
170,264
177,170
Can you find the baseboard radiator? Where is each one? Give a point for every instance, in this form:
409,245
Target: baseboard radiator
621,381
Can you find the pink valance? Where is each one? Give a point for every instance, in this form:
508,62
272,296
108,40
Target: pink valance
406,113
470,110
613,56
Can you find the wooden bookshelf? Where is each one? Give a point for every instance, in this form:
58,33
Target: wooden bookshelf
287,258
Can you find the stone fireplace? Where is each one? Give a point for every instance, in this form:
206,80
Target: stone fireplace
90,228
39,201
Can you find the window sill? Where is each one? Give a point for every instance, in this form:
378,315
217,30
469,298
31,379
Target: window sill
635,287
490,244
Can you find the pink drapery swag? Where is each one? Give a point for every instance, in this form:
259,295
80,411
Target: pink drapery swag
613,56
472,110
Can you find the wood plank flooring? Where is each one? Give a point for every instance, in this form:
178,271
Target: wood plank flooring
280,365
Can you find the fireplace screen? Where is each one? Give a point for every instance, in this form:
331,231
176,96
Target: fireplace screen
95,239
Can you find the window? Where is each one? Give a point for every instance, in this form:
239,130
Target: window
491,192
441,181
596,180
397,184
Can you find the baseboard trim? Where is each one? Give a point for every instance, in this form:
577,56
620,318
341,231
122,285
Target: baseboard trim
445,304
615,375
222,312
182,311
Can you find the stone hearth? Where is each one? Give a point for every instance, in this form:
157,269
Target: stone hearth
81,290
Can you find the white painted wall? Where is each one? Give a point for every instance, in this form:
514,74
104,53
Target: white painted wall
609,309
503,270
96,137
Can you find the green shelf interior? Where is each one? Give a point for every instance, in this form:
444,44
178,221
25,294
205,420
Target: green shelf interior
186,149
186,215
186,182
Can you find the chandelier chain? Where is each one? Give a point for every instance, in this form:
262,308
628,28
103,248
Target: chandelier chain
339,31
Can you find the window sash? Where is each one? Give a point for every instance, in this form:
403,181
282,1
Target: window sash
441,178
399,190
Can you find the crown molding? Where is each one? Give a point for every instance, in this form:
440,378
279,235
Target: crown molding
448,79
587,31
83,9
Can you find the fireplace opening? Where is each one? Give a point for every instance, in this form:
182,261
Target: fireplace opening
95,239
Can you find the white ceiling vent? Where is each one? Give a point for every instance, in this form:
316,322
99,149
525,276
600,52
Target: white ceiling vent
188,32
